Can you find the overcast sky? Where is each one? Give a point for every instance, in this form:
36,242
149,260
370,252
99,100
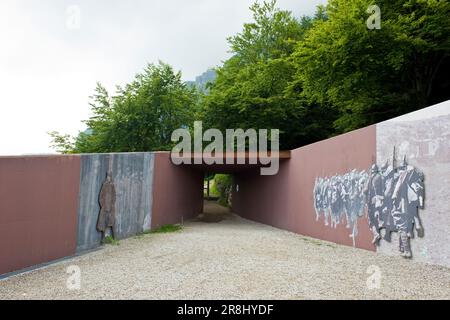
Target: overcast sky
52,53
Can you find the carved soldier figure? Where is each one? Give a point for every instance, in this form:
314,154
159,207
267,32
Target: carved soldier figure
415,194
318,197
107,201
336,202
326,194
399,213
347,190
375,197
389,182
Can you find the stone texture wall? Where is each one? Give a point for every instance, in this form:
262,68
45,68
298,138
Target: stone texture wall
424,138
132,174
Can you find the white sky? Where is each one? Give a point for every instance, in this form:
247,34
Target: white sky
49,67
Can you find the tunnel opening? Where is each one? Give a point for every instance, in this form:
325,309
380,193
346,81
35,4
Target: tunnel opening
217,197
220,184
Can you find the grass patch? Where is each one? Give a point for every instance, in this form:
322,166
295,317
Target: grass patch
110,240
168,228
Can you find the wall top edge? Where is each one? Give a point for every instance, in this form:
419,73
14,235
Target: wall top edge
434,111
75,155
373,126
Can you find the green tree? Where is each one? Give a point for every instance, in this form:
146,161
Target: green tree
140,117
253,88
311,77
372,75
223,185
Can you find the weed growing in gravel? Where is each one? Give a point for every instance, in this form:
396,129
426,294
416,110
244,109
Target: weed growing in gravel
167,228
110,240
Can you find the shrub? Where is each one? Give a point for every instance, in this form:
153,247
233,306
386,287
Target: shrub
224,186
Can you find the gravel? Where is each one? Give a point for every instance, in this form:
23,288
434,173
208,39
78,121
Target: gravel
231,259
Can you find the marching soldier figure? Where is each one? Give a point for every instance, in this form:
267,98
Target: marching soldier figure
375,197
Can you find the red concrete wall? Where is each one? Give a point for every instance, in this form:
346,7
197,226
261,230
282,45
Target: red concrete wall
38,209
177,191
286,199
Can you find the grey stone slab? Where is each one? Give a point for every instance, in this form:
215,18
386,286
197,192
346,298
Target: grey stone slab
424,138
133,178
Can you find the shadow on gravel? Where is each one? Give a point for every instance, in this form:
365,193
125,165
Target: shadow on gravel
214,213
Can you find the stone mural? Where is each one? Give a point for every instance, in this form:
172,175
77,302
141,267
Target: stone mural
389,195
341,196
129,212
424,136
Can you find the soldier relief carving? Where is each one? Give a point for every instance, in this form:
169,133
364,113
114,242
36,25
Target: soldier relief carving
390,195
107,200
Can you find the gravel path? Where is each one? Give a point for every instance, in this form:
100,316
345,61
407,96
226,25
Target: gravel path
230,259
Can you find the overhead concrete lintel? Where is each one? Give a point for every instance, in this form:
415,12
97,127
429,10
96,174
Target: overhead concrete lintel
234,155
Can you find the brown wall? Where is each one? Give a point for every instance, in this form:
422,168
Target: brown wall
38,209
177,191
286,199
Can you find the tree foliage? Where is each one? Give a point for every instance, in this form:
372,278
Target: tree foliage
310,77
140,117
371,75
253,89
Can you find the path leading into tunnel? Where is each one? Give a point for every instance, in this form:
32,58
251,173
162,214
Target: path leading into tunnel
213,212
222,256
